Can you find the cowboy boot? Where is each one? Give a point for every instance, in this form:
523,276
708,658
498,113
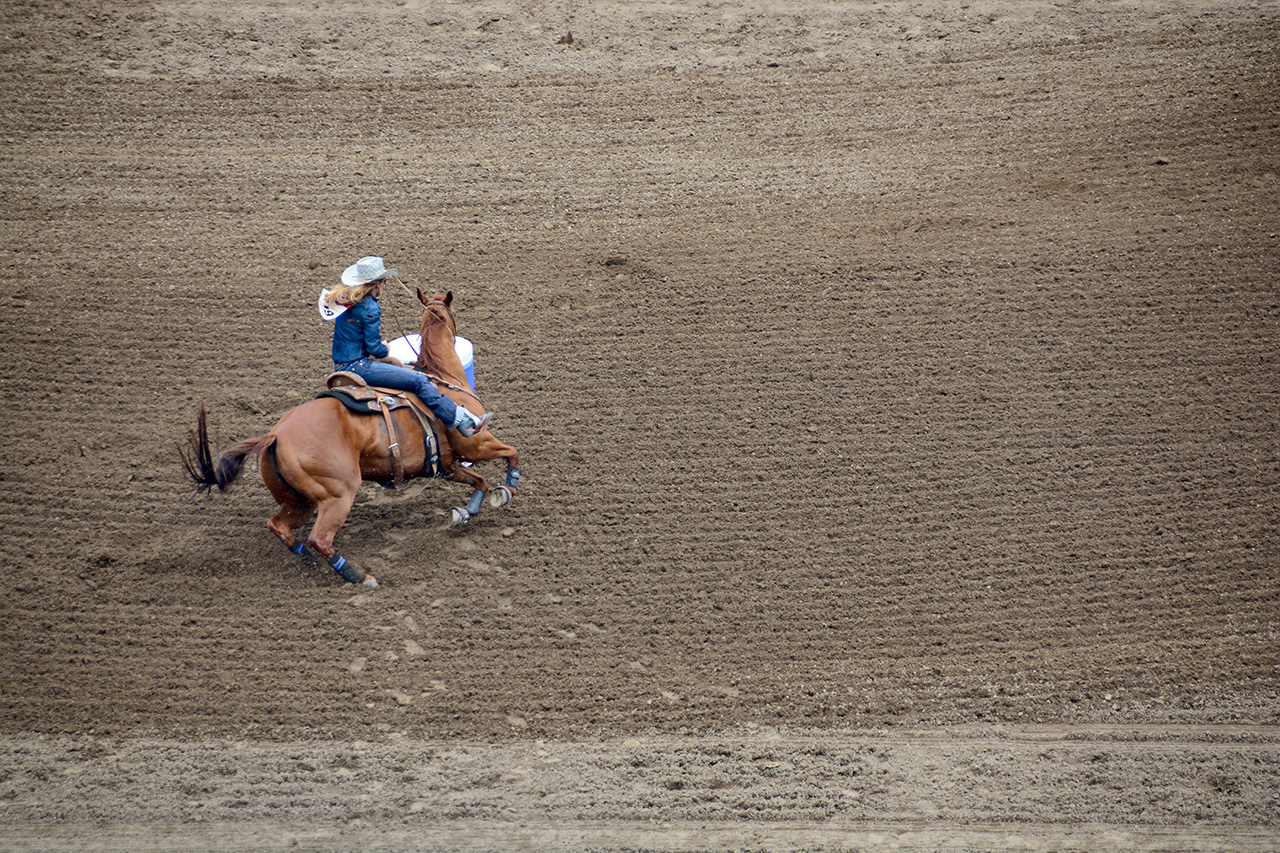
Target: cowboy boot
469,424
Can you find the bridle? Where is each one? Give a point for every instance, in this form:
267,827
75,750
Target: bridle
437,310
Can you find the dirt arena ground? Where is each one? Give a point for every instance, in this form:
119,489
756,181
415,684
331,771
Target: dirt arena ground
898,389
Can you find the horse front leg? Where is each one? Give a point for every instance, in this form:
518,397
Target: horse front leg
502,496
492,448
459,515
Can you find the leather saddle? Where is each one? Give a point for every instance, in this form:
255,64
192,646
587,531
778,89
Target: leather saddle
360,397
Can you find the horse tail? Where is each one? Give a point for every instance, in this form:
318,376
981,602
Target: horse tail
208,472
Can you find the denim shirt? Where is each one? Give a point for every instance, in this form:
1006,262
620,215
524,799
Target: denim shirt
356,333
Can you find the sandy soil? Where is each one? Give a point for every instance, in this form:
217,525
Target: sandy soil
896,384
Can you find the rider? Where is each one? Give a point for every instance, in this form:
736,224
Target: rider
357,342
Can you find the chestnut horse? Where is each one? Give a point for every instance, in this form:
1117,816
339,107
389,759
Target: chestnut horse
314,459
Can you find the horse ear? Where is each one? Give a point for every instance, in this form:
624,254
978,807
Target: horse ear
448,299
422,297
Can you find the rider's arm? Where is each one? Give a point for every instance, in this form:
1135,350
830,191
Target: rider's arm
372,317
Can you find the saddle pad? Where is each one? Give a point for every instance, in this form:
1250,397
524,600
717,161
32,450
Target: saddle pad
364,403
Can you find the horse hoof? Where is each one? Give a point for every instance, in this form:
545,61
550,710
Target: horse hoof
458,517
500,496
369,581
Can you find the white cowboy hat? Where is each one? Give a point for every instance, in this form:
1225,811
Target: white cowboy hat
366,270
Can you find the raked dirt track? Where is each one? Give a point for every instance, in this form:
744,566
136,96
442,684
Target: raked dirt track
897,386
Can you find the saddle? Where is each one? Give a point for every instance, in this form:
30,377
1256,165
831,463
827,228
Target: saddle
362,398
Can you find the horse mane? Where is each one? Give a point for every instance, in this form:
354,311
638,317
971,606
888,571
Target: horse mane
428,362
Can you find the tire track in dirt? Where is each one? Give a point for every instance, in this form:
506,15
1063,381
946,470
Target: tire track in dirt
559,837
1193,787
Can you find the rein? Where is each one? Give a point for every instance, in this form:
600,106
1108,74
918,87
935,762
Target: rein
396,319
440,380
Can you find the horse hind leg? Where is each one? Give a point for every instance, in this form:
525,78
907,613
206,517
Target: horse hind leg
285,525
332,513
296,510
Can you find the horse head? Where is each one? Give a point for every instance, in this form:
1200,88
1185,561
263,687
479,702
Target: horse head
438,330
438,309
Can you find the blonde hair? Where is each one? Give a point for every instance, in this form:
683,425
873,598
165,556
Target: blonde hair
351,294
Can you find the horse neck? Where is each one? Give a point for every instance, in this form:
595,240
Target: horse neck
439,356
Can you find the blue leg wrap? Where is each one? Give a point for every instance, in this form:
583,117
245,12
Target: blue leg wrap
299,549
513,478
473,505
348,572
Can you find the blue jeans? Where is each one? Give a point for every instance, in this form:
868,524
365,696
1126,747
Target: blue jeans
403,379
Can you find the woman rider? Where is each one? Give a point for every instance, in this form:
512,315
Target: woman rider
357,341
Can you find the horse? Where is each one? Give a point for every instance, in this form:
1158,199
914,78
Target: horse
316,456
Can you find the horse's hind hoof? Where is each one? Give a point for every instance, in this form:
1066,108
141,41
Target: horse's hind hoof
500,496
369,581
458,517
